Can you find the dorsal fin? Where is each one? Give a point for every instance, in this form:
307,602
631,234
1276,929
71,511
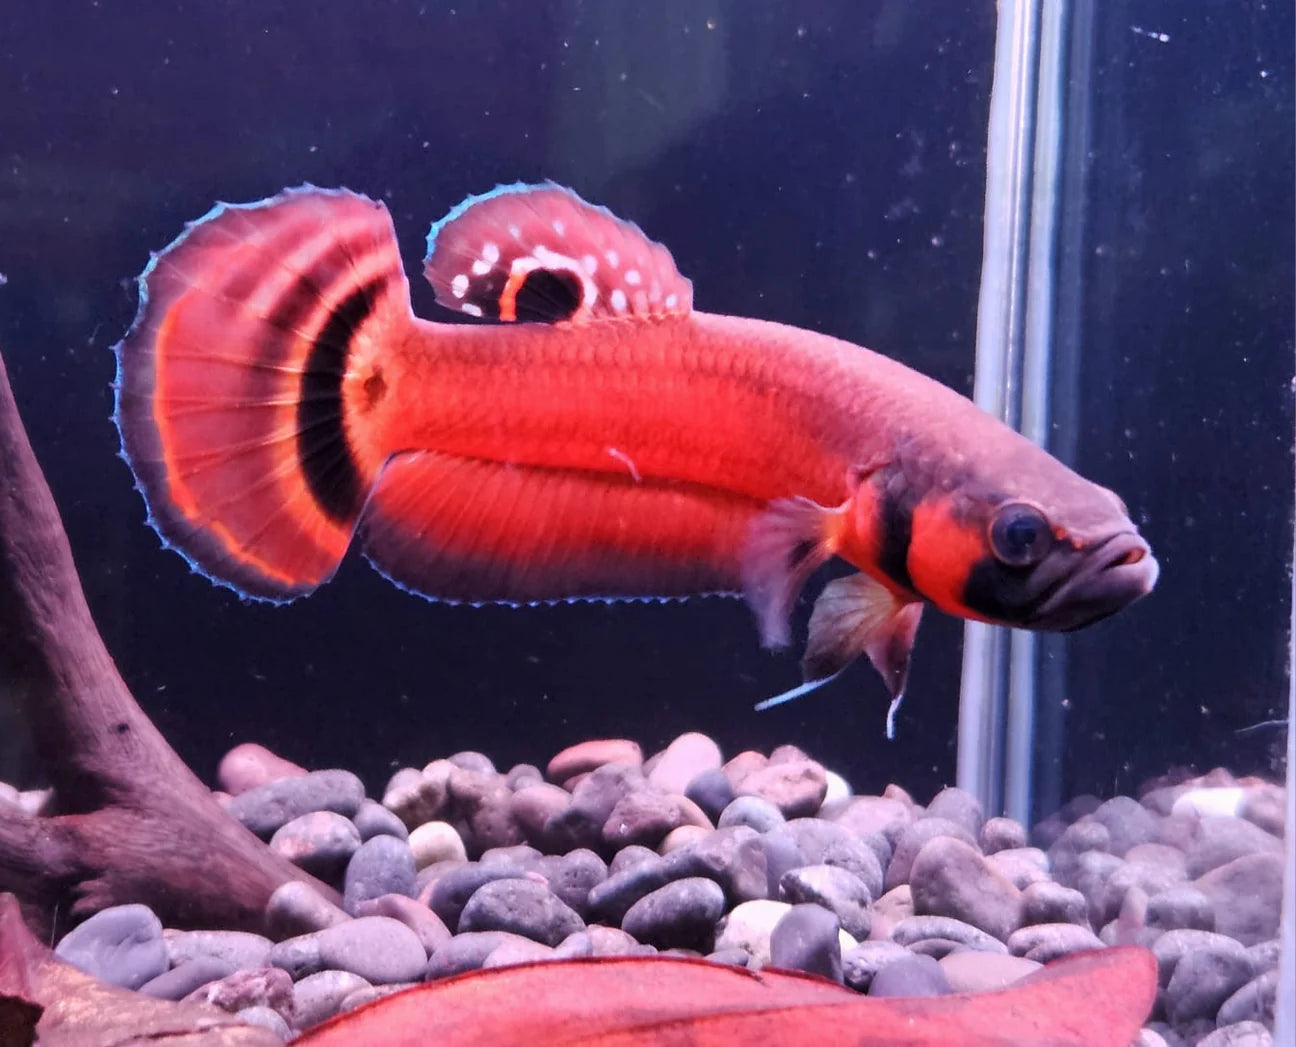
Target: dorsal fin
539,253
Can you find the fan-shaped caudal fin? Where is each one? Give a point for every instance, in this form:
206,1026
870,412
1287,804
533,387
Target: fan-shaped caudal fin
540,253
243,383
463,529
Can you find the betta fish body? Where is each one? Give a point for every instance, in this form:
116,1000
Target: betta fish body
277,400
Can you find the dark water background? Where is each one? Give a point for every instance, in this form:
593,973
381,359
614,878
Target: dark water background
820,164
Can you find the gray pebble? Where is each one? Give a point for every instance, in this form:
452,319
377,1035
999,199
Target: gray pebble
521,906
451,891
912,839
1022,865
1002,834
373,819
381,865
470,760
319,996
611,900
1045,942
521,854
266,808
299,956
754,812
781,855
1106,901
464,952
950,878
712,791
681,914
266,1018
1203,980
575,946
1128,823
121,945
1091,873
484,803
960,807
629,857
377,948
612,941
581,823
1180,907
1243,1034
524,775
535,809
806,939
184,978
869,815
841,892
297,908
518,950
914,929
573,875
431,932
1255,1001
1049,902
321,842
1173,946
236,949
736,858
1264,956
729,957
1246,895
1047,832
861,963
1218,840
910,975
936,948
826,843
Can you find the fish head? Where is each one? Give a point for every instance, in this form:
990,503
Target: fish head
1019,539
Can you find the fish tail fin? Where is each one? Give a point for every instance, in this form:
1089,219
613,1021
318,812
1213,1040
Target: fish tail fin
248,387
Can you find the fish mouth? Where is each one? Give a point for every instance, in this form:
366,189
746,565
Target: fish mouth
1112,575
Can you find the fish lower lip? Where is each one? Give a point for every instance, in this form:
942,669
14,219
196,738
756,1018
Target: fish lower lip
1112,576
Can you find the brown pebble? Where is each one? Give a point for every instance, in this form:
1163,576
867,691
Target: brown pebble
738,767
585,756
683,760
796,788
249,766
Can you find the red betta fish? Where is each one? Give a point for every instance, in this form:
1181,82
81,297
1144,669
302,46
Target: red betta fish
277,399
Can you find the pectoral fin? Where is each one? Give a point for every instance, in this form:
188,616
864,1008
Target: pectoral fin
854,616
786,544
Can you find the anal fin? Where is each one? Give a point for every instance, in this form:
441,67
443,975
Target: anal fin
478,531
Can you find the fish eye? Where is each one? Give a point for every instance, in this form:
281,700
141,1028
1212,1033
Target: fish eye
1020,536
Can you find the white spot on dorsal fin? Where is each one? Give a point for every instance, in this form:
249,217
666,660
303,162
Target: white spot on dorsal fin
459,285
591,264
514,231
481,267
619,300
490,252
470,309
559,227
672,300
613,259
632,277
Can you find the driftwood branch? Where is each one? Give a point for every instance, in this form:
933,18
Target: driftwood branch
130,822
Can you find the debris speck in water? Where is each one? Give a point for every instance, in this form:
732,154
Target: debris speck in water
1151,34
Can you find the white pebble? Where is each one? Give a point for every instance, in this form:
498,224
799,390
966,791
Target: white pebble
838,787
436,842
1221,800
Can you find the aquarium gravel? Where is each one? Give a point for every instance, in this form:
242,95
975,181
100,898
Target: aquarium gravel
754,860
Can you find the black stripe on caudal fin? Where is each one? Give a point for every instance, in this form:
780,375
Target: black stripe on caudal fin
327,460
250,393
